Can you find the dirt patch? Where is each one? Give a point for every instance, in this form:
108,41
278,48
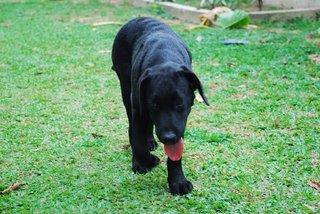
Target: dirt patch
280,31
243,96
315,159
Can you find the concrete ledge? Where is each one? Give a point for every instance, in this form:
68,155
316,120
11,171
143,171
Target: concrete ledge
285,14
184,13
191,14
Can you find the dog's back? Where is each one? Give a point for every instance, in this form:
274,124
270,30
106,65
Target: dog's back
139,28
151,40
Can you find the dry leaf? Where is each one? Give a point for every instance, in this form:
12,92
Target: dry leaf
284,61
6,24
315,185
97,24
198,27
214,63
251,27
199,38
95,135
127,146
37,149
315,58
199,98
208,19
11,188
90,64
231,64
104,51
312,208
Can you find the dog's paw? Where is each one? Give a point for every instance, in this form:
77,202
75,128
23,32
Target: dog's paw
153,145
181,187
146,166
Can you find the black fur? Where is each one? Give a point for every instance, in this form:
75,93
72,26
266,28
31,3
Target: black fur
153,65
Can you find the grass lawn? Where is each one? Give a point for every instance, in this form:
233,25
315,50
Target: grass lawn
63,129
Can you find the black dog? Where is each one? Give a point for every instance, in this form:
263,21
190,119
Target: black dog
153,65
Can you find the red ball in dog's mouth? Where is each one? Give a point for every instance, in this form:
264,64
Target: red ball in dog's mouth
175,151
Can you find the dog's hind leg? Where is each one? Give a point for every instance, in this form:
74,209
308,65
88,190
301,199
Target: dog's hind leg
121,59
140,130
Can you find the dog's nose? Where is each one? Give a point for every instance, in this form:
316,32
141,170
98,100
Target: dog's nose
169,138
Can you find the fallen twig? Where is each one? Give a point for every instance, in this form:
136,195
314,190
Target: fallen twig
97,24
315,185
13,187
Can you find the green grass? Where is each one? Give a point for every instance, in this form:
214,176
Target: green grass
63,128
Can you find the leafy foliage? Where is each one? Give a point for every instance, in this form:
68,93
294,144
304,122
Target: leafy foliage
227,3
231,3
234,19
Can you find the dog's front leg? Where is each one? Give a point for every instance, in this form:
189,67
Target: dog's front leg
142,160
178,183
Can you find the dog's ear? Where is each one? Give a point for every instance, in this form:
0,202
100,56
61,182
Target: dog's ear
141,88
195,83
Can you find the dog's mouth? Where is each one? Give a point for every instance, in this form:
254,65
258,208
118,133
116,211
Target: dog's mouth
175,151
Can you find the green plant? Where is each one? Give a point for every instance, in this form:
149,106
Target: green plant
233,19
230,3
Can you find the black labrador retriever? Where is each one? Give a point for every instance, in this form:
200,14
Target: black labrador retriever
153,65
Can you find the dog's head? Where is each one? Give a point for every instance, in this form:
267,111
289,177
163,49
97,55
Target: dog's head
167,94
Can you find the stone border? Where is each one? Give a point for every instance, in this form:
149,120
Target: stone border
191,14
